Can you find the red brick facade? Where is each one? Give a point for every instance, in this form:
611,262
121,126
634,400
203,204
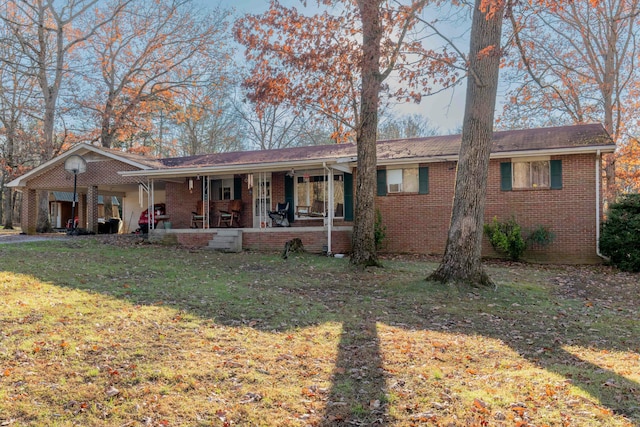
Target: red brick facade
101,171
415,223
418,223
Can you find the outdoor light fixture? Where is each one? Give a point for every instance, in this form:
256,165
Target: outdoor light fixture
74,164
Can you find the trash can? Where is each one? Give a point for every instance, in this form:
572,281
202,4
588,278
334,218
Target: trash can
167,225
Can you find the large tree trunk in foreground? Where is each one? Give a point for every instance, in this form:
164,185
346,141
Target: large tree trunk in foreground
363,245
462,258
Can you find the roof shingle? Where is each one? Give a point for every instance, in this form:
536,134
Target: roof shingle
541,139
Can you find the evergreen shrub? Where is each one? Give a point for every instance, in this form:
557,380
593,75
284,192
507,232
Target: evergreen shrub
620,236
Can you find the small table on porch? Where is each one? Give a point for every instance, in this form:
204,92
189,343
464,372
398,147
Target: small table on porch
163,218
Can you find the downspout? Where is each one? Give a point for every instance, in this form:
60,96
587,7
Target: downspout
330,206
598,197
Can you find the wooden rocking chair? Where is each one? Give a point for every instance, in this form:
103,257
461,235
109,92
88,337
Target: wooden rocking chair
232,213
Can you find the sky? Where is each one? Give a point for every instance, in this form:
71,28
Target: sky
444,110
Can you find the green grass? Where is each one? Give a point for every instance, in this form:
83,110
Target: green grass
94,333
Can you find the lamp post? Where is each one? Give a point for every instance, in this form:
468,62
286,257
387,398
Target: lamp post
76,165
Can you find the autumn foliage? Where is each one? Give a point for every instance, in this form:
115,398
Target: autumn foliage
313,61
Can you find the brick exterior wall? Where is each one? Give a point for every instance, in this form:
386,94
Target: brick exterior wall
181,202
418,223
99,172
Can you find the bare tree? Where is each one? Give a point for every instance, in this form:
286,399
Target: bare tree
280,126
406,126
206,122
16,103
147,57
577,64
47,33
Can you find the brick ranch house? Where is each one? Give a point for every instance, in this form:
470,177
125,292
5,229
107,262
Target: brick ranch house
548,176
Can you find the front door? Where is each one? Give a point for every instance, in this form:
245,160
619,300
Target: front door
56,215
261,199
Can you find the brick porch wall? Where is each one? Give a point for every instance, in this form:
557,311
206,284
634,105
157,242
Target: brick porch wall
271,239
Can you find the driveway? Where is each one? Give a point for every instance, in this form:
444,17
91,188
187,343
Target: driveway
22,238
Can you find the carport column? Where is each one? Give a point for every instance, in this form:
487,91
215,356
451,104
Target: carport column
92,208
29,220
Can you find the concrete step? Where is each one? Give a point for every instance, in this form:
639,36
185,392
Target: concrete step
226,241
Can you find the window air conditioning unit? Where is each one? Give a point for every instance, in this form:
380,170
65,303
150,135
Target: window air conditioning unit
394,188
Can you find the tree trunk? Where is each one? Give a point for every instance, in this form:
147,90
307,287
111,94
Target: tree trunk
7,208
7,199
363,242
44,223
462,258
106,135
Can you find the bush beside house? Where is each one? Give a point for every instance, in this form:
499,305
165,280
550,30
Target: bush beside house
620,237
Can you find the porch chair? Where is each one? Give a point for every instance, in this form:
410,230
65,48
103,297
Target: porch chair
197,217
280,216
232,213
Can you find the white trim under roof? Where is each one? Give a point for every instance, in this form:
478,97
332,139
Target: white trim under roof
21,180
592,149
225,169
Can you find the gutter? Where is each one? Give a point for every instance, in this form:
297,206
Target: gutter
235,168
500,155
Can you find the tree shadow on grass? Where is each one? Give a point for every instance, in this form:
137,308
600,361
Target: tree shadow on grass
543,335
358,393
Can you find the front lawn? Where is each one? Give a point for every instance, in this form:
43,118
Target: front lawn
98,333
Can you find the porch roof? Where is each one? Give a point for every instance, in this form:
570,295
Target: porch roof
65,196
588,138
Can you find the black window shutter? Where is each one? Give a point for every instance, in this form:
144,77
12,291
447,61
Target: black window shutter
348,197
288,195
556,174
423,180
382,182
237,187
505,176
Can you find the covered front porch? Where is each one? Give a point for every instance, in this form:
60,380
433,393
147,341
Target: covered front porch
201,209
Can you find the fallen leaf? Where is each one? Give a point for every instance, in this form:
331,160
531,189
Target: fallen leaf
112,391
251,397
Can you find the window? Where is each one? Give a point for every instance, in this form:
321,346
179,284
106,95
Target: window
531,174
313,188
222,189
405,180
534,174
